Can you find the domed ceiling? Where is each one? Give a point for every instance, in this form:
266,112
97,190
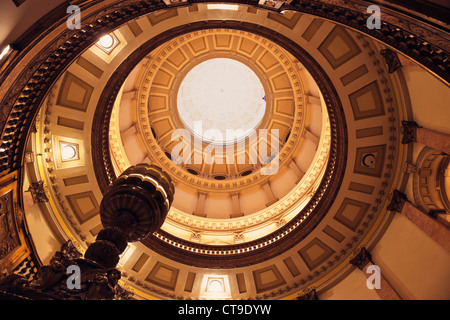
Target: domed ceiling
227,190
271,211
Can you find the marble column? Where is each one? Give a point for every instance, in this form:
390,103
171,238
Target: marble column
432,227
434,139
412,132
363,260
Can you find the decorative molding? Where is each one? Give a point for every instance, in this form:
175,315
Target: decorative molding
19,214
392,60
309,295
397,201
409,131
238,237
267,278
9,239
196,236
315,253
421,42
411,168
336,58
38,192
361,259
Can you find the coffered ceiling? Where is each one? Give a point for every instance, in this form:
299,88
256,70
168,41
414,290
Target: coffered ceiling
233,232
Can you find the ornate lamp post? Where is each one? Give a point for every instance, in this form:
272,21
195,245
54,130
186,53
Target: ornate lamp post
134,206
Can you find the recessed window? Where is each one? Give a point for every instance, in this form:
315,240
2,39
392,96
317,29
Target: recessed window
108,42
215,285
69,152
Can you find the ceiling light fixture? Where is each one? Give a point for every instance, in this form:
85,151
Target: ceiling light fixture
223,7
69,151
107,42
5,51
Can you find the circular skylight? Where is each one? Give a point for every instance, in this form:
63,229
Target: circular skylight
221,101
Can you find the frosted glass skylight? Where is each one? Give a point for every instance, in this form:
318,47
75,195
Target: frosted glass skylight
221,101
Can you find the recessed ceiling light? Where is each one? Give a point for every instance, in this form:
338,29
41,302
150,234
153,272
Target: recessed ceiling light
5,51
222,7
108,42
69,151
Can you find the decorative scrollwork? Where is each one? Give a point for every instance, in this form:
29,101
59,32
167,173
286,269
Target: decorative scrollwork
392,60
38,192
409,131
397,201
362,258
126,219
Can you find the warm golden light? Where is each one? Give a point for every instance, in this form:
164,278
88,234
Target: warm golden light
5,51
221,100
107,43
223,7
69,151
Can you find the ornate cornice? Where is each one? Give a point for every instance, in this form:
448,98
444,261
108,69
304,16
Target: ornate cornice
426,45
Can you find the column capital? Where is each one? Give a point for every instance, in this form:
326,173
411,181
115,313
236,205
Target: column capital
310,295
409,131
392,60
397,201
361,259
38,192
